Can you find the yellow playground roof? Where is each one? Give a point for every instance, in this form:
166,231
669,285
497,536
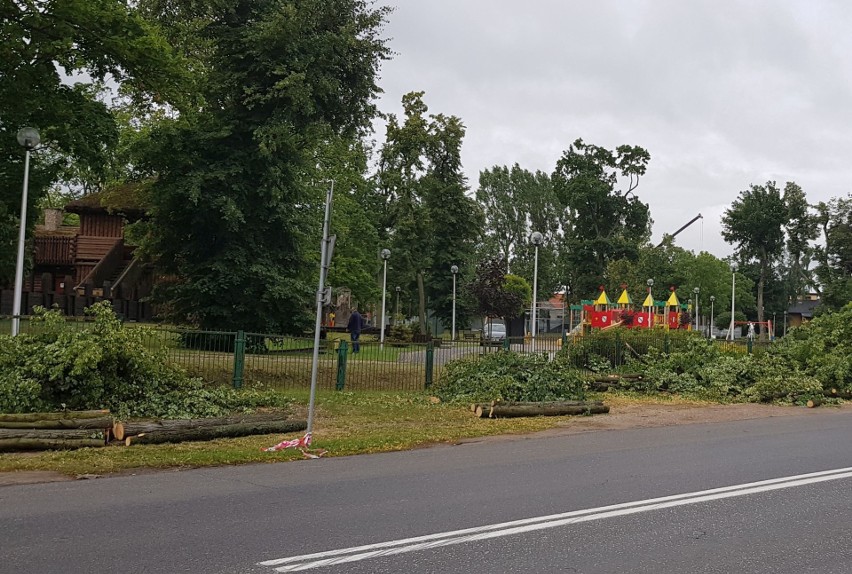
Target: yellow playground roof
624,298
649,301
673,302
602,299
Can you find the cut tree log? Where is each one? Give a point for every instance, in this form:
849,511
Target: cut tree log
103,422
839,394
212,432
121,430
63,415
544,403
814,403
482,411
34,439
499,411
15,444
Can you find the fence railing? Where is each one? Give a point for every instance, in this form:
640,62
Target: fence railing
282,361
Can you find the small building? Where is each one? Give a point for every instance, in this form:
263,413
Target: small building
801,312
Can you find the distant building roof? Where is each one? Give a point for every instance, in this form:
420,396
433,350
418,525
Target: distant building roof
803,308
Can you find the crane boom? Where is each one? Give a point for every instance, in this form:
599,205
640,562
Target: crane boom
688,223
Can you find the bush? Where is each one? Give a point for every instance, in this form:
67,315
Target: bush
784,386
104,366
510,377
618,346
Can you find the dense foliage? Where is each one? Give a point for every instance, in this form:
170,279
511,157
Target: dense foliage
106,366
509,377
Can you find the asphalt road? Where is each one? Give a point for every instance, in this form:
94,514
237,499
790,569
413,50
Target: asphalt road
614,494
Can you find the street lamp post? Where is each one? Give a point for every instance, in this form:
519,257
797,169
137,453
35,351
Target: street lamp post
454,270
385,256
730,336
650,283
710,328
396,314
29,139
537,239
697,290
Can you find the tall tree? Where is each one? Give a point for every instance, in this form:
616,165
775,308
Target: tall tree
800,228
603,221
834,267
755,225
518,202
429,221
234,209
54,57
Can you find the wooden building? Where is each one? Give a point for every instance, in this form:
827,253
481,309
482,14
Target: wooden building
91,260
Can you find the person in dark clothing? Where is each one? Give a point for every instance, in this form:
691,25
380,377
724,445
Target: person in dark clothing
354,327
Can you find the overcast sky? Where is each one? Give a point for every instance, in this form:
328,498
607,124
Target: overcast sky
722,94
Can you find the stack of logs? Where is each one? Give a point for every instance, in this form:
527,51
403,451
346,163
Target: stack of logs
612,381
500,409
77,429
42,431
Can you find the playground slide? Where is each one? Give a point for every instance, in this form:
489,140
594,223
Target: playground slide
611,325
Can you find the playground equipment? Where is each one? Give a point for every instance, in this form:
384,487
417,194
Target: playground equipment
602,314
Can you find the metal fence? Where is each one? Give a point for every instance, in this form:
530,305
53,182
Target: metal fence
282,361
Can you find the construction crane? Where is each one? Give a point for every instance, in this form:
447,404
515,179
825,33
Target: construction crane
688,223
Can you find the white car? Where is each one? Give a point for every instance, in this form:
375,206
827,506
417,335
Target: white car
494,333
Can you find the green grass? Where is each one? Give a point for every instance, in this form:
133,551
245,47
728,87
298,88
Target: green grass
347,423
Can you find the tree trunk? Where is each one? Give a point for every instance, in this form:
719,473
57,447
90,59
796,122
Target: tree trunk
14,444
64,415
814,403
54,434
122,430
421,298
93,423
210,433
499,411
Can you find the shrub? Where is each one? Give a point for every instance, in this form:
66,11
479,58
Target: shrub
510,377
104,366
784,386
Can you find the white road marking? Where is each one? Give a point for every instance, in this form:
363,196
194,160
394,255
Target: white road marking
357,553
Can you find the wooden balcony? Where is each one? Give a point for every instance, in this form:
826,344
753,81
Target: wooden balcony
55,250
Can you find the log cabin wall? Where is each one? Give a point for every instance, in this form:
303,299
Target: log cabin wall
101,225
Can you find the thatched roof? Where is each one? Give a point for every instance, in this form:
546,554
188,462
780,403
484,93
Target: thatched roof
127,199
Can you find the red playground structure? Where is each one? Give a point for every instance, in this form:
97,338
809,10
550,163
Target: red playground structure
602,314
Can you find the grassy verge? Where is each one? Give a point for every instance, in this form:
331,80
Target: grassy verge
347,423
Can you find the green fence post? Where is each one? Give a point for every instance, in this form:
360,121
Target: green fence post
617,359
750,345
506,343
666,343
430,363
342,353
239,359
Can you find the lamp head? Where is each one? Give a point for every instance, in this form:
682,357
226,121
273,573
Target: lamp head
650,282
385,254
454,269
696,290
28,138
712,298
398,288
734,267
537,238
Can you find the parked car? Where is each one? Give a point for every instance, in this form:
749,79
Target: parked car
494,333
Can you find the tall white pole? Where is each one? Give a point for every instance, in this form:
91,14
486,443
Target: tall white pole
324,264
535,297
384,292
19,267
730,336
